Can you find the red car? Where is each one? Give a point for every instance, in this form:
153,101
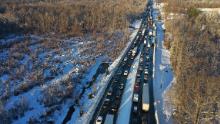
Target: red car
136,88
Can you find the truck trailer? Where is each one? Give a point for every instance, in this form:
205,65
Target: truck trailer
145,97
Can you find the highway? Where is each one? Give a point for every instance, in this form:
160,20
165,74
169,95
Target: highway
111,100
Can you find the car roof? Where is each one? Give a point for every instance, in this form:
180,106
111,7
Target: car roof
100,118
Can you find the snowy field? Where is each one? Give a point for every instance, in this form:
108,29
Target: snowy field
40,78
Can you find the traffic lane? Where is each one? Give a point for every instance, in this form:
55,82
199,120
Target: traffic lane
140,75
105,105
113,95
135,118
146,116
102,101
136,114
152,119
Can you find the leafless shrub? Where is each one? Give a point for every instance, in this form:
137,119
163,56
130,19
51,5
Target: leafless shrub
56,93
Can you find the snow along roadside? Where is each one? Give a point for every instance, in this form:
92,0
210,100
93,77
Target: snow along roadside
86,118
126,103
162,72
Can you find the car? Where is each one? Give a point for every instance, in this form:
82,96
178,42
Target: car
114,107
107,100
125,59
145,77
132,57
147,63
135,97
115,81
148,45
138,75
125,72
138,80
146,67
140,69
121,87
99,120
118,94
105,105
141,64
136,88
135,109
145,42
119,72
146,71
137,84
109,92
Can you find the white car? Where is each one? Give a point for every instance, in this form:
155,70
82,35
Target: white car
145,42
146,71
99,120
125,59
135,97
126,73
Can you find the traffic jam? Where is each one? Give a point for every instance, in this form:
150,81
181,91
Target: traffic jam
142,111
143,108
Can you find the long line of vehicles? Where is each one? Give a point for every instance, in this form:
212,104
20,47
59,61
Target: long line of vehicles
143,108
106,113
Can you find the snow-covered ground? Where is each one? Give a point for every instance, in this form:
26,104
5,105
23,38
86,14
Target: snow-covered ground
163,74
126,102
103,82
41,81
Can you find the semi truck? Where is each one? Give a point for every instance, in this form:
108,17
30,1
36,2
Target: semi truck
145,97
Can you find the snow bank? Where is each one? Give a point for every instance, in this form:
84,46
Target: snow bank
126,103
85,102
86,118
162,73
136,24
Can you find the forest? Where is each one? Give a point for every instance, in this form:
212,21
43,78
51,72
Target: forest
193,38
